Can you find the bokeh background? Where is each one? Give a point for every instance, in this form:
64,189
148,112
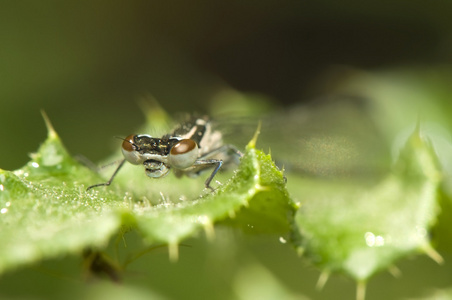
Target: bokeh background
89,64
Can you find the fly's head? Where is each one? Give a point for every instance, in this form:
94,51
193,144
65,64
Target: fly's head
159,155
148,151
138,148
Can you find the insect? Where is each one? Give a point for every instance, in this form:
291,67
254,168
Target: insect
190,149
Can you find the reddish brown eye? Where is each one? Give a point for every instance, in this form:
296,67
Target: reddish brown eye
184,154
127,145
183,146
129,150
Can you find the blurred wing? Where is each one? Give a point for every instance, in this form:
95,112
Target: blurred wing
329,138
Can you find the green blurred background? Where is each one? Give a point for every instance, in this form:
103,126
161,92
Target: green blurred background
88,64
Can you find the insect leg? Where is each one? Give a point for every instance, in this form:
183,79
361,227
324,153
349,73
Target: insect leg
111,178
200,165
214,172
204,162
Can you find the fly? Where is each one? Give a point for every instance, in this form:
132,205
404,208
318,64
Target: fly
190,149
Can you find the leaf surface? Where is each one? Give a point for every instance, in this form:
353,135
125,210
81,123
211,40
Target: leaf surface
360,228
47,212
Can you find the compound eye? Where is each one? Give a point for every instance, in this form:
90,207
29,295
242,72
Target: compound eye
128,143
129,151
183,154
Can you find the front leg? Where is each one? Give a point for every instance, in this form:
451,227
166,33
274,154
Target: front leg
201,165
111,178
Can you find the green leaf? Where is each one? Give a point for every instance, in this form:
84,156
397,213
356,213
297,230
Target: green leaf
360,228
47,212
254,184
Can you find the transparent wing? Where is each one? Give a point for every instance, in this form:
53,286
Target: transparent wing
332,137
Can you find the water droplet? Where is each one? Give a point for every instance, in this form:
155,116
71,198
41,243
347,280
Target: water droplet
3,210
379,241
203,219
370,239
2,188
282,240
374,241
35,165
